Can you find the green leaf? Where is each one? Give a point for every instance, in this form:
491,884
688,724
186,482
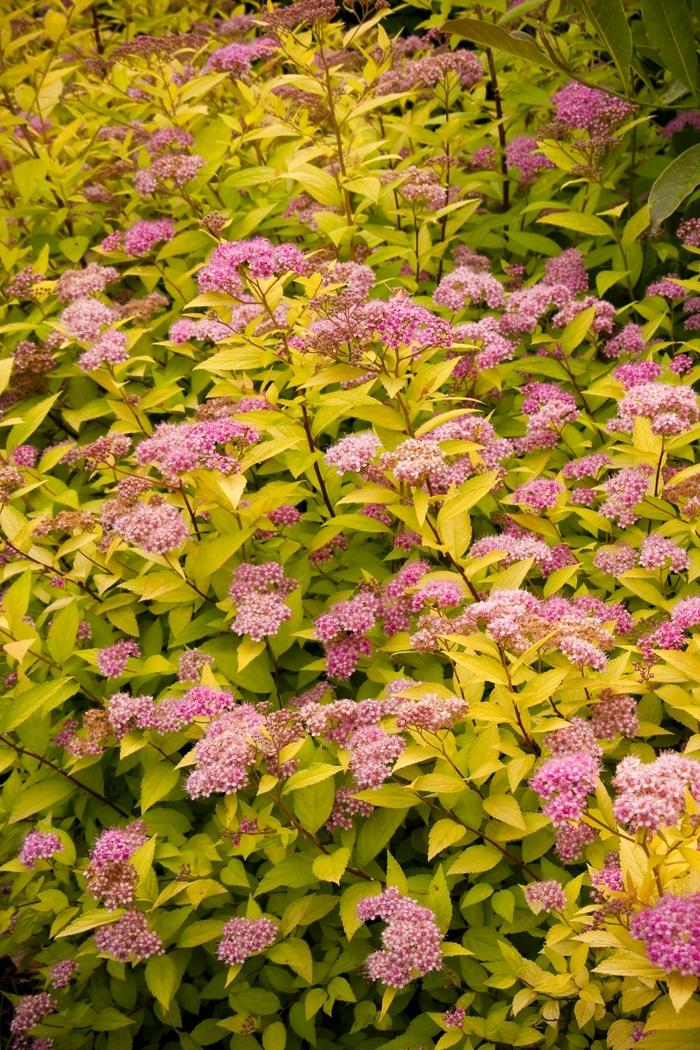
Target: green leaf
41,797
196,933
274,1036
162,979
158,781
493,36
330,867
578,221
676,181
90,920
610,21
443,834
475,859
669,29
296,954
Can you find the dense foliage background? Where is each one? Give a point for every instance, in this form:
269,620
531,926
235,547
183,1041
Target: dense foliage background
349,513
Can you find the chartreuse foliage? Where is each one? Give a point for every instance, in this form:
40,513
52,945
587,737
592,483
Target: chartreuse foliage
349,508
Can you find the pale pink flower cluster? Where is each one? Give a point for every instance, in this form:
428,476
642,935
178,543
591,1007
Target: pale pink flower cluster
548,408
567,268
243,937
257,257
523,153
636,373
109,348
659,552
586,466
667,287
426,72
226,753
688,231
603,318
111,661
517,619
141,238
578,736
614,713
85,318
545,896
156,526
176,448
538,495
670,635
237,58
110,877
624,491
468,285
517,544
186,329
342,631
79,284
495,348
629,340
129,938
191,664
345,809
565,782
652,796
39,845
410,940
671,409
354,452
179,168
259,592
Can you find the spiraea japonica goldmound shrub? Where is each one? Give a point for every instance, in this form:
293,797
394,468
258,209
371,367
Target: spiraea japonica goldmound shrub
349,507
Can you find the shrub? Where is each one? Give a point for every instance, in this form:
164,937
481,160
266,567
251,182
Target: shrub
349,512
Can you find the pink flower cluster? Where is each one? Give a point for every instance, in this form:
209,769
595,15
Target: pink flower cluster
538,495
39,845
29,1011
256,257
659,552
179,168
62,973
259,592
111,661
565,782
110,877
109,348
671,409
523,153
671,933
243,937
226,753
465,284
652,796
192,663
590,109
156,526
545,896
141,238
614,713
129,938
354,452
126,713
237,58
410,941
176,448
